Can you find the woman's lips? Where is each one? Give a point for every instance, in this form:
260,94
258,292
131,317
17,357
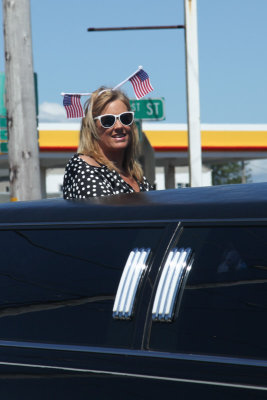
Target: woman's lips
118,136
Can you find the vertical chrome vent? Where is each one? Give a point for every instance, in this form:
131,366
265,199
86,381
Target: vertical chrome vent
130,279
169,284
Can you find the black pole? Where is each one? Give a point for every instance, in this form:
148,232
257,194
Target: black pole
131,28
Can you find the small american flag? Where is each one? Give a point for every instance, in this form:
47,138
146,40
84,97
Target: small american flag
141,84
72,104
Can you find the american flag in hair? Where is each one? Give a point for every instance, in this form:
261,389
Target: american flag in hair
72,104
141,84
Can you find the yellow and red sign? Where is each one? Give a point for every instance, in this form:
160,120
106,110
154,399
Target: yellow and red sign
230,138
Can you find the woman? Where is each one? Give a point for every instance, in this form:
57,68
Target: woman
106,160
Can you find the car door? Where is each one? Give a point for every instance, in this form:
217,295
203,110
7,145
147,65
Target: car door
68,327
207,338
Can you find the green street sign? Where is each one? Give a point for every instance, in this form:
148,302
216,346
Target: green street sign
3,123
3,134
148,109
3,147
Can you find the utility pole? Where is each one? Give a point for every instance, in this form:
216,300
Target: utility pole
193,102
23,151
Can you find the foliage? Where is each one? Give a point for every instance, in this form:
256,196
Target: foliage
230,173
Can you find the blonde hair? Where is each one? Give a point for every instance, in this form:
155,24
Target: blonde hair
89,138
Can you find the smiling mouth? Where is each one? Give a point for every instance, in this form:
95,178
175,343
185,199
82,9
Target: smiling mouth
119,135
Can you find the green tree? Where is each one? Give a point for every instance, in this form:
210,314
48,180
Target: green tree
230,173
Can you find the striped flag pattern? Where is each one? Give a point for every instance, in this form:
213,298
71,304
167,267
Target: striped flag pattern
141,84
72,104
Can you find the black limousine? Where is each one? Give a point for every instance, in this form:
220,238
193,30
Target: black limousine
139,296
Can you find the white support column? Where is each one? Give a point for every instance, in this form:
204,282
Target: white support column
193,104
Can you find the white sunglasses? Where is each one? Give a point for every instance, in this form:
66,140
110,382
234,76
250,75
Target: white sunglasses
108,120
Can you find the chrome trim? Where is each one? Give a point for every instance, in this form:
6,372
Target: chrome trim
129,282
131,222
169,284
132,375
201,358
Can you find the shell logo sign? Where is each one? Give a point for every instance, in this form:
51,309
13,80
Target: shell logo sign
166,137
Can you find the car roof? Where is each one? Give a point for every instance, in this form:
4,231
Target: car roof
241,201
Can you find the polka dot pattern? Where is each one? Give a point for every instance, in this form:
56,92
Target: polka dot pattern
82,180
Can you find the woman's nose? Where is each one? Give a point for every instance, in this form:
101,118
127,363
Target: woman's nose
118,122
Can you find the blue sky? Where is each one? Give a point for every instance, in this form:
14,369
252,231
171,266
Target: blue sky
232,54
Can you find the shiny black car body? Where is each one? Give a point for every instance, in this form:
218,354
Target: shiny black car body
138,296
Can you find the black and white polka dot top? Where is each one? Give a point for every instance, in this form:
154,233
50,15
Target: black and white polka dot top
82,180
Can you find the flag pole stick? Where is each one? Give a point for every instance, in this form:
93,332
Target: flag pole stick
114,88
129,77
76,94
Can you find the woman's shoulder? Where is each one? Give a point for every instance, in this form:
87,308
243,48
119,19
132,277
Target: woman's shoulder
72,161
82,159
80,165
89,160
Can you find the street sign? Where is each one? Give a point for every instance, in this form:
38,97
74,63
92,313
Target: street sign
148,109
3,147
3,123
3,134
